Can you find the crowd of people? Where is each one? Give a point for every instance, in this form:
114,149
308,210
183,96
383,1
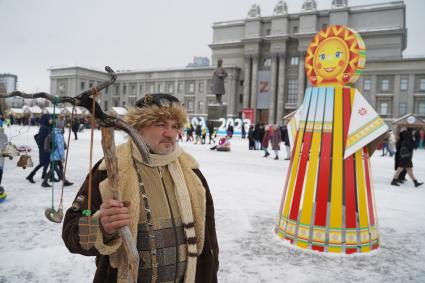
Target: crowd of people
262,136
51,151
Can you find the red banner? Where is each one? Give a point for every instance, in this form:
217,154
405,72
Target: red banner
248,113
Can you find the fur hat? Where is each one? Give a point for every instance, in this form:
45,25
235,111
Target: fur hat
155,108
60,124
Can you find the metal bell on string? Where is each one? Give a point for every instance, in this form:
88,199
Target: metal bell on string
53,215
25,161
10,150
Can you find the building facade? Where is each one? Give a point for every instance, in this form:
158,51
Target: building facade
271,51
264,57
192,86
8,83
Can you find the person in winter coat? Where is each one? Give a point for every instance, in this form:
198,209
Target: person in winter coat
204,135
211,133
391,143
198,134
258,136
165,203
285,139
223,144
405,153
189,133
266,140
43,156
57,155
3,142
421,138
251,140
75,126
230,131
276,139
243,131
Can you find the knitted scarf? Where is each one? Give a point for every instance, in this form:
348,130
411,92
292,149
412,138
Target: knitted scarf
182,194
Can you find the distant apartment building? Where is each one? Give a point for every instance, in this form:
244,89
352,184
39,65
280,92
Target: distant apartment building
264,57
199,62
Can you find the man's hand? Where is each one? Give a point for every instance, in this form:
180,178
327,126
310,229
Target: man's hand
114,214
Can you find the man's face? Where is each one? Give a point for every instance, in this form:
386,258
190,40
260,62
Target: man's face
161,137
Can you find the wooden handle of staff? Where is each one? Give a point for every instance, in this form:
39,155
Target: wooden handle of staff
108,145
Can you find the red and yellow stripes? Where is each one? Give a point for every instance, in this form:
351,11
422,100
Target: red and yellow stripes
328,201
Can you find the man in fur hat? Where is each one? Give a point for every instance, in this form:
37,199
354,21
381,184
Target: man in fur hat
171,212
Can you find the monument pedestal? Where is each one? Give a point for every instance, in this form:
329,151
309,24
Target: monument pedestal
215,112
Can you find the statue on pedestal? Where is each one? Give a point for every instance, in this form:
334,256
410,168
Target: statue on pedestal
218,81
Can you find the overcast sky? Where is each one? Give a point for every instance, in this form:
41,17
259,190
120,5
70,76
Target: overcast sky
126,34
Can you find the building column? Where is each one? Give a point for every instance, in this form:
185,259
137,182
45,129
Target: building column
373,88
396,97
233,99
254,86
301,78
281,89
273,90
247,82
411,95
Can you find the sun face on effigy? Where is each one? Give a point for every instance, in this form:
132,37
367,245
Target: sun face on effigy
336,56
331,58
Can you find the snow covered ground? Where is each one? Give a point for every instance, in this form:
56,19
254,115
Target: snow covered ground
247,191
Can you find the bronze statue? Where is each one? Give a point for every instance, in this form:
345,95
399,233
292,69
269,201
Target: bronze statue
218,81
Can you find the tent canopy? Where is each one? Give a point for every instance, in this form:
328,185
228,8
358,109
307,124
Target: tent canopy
32,109
17,111
58,110
408,121
119,110
77,110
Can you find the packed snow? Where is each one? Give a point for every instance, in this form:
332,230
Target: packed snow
247,190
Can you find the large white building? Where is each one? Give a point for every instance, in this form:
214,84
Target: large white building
264,57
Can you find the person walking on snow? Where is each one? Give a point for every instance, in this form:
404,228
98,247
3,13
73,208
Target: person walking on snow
276,139
43,156
405,153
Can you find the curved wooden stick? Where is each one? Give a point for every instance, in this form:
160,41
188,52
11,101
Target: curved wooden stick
108,146
107,122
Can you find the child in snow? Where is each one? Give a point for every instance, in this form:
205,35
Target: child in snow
223,144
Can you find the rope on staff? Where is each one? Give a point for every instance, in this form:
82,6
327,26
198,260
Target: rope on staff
52,153
95,93
66,158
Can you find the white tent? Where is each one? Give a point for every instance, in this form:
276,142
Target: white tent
77,110
121,111
49,110
35,109
17,111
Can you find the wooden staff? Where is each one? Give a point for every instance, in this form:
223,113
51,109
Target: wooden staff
108,146
108,123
